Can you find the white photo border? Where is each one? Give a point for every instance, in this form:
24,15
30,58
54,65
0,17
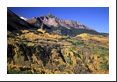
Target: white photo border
58,77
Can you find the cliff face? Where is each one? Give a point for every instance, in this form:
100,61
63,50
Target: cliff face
40,46
60,26
56,22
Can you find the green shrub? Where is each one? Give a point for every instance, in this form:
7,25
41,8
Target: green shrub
104,66
61,67
13,71
68,60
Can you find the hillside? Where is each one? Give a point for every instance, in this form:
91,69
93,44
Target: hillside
53,24
38,47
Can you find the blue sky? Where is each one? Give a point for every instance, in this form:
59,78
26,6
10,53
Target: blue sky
94,17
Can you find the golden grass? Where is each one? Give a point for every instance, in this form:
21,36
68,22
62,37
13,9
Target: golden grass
32,36
98,38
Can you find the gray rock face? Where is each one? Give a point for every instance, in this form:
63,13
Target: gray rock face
60,26
56,22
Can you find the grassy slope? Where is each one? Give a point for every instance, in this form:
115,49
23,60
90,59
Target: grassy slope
39,52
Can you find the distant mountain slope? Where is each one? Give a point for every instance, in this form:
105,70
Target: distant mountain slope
49,23
14,22
60,26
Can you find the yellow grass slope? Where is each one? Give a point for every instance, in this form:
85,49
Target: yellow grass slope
98,38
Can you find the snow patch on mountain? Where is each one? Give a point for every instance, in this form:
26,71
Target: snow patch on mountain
24,18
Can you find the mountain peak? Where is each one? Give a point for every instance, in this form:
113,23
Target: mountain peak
50,15
52,20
